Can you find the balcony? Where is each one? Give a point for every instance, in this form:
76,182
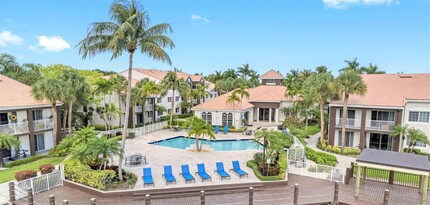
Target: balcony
138,108
350,123
14,128
43,124
379,125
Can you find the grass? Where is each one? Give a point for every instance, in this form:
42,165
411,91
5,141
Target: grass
9,174
313,129
402,178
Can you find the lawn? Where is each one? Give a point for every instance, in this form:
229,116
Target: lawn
9,174
313,129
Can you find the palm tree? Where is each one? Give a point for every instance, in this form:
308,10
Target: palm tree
242,92
231,99
202,92
127,31
160,109
271,141
415,135
353,65
349,83
50,89
103,87
172,82
106,148
372,69
83,136
230,73
7,142
319,86
119,85
254,79
147,89
199,128
401,131
244,71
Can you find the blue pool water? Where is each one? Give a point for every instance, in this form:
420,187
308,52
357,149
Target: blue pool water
182,142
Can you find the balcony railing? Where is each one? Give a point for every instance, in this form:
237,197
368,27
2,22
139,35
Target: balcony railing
43,124
14,128
380,125
350,123
138,108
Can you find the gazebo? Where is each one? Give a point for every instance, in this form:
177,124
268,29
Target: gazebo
395,162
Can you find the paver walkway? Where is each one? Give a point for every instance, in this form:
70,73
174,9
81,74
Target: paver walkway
343,161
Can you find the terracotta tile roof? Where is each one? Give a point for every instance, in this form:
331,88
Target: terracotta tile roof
16,94
271,74
211,85
196,78
158,74
391,90
262,93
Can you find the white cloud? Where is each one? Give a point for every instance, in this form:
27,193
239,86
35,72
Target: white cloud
55,43
195,17
341,4
7,38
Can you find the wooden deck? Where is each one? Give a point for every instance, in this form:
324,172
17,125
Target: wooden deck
311,191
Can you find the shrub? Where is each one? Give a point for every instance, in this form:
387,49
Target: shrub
25,160
80,173
329,148
351,151
336,149
26,174
253,165
132,178
321,157
282,165
46,168
185,115
418,152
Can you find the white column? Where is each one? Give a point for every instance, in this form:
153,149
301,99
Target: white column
258,114
270,115
276,115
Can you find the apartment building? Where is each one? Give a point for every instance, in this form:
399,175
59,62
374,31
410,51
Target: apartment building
27,119
391,99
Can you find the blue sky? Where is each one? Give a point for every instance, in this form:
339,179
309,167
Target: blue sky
219,34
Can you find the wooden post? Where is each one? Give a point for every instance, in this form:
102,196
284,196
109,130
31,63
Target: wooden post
424,189
251,195
296,194
51,200
202,197
93,201
30,196
386,196
336,193
357,182
364,174
11,192
65,202
420,187
147,199
391,177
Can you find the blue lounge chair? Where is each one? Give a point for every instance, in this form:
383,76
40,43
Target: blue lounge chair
216,129
225,130
168,176
186,173
147,177
202,172
220,171
236,168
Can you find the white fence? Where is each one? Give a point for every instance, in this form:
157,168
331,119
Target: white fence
139,130
316,170
40,183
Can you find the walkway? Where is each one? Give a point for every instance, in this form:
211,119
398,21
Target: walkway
343,161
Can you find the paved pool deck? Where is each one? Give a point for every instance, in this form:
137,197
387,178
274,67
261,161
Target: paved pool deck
158,156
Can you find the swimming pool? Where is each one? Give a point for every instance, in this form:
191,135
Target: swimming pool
182,142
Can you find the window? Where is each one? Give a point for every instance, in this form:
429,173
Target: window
3,119
350,115
383,116
159,100
169,111
169,99
37,115
415,116
139,118
230,119
40,142
224,119
349,139
177,98
208,117
419,143
177,110
270,80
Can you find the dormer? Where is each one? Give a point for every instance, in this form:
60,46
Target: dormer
271,77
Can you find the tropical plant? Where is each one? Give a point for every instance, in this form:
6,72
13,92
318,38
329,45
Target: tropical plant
353,65
244,71
241,92
103,87
7,142
202,92
415,135
371,69
232,99
199,129
160,109
147,89
349,83
401,131
172,82
127,31
272,145
104,147
119,85
254,79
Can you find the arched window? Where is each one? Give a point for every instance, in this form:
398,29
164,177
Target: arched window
224,119
204,116
230,119
209,118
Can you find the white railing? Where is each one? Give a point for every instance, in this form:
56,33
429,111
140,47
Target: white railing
148,119
317,171
40,183
138,108
43,124
14,128
149,107
350,123
148,128
380,125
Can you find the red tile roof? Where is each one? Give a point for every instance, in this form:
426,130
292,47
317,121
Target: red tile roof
271,74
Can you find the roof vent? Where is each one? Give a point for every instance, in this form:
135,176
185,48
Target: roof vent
405,76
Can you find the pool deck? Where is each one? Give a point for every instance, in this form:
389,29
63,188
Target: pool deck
158,156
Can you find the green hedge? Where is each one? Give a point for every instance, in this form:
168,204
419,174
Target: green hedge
337,150
321,157
25,160
282,164
418,152
77,172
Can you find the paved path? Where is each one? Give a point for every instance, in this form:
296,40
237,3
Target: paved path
343,161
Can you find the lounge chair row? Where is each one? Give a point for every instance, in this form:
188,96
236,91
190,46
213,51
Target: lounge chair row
218,127
201,171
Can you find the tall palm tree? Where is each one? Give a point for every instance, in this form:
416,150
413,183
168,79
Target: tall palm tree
202,92
127,31
232,99
372,69
349,83
148,89
50,89
119,85
172,82
199,128
106,148
7,142
319,86
103,87
415,135
400,131
230,73
244,71
254,79
353,65
242,92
